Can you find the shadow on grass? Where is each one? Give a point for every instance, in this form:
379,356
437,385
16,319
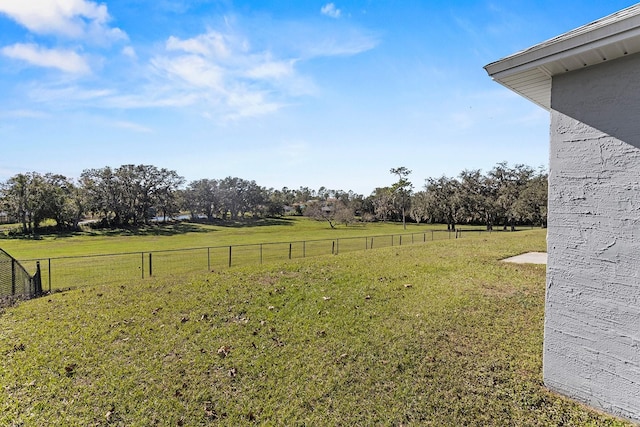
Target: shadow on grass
156,229
246,222
160,229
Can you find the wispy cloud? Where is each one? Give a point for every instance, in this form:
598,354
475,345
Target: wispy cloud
271,69
249,104
68,95
211,43
70,18
64,60
132,126
191,70
24,114
330,9
129,52
230,72
346,43
152,97
223,71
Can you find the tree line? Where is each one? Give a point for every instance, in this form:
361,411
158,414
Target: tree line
505,196
134,195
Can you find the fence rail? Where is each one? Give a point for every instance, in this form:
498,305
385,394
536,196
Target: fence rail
79,271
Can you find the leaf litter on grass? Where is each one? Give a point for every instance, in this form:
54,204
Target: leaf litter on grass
330,341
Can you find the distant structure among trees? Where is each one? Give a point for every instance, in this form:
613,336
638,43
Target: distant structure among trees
134,195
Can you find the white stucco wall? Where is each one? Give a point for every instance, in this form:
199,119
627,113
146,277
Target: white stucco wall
592,319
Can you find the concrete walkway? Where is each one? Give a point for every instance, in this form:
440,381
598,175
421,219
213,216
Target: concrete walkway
529,258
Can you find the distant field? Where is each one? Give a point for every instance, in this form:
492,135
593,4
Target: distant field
78,259
436,334
189,235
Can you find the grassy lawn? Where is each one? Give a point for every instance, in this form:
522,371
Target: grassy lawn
78,259
436,334
190,235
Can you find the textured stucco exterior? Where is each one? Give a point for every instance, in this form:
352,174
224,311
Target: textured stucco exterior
592,318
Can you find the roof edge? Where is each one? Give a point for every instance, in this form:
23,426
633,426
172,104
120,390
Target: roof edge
596,32
529,72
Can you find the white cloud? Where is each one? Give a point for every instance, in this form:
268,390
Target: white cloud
64,60
157,97
330,9
224,73
70,18
24,114
129,52
249,104
271,70
192,70
132,126
346,43
218,73
227,78
68,95
327,39
209,44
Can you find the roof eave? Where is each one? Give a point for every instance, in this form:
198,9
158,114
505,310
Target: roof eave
529,72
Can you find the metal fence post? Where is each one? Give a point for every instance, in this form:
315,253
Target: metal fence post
15,287
13,276
37,279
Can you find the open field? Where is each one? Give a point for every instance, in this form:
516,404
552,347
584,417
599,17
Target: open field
437,334
115,256
191,235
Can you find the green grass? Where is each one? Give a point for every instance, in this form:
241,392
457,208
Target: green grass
436,334
78,260
191,235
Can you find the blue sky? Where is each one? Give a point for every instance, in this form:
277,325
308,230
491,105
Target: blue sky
286,93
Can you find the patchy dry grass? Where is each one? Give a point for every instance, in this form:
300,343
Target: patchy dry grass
439,334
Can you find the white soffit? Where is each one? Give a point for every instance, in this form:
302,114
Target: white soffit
529,72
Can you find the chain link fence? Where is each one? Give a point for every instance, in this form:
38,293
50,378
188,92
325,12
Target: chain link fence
15,281
79,271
